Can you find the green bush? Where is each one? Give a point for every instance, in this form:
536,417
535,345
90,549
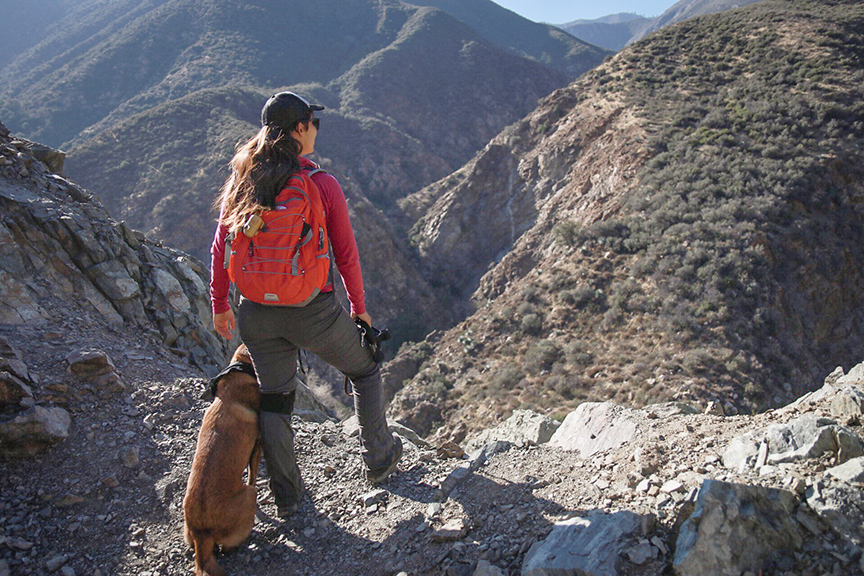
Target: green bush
577,352
531,324
541,355
506,378
568,232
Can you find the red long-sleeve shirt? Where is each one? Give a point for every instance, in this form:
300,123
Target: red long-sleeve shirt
342,241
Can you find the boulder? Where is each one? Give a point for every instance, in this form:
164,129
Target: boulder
591,545
96,367
806,437
736,528
453,530
484,568
12,389
89,362
33,430
521,428
670,409
851,471
4,131
855,376
53,159
841,506
597,426
848,404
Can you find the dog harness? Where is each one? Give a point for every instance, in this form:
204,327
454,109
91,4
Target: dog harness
279,403
233,367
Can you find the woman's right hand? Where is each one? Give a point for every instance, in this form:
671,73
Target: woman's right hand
224,323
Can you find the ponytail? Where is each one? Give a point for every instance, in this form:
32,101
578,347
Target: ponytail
259,170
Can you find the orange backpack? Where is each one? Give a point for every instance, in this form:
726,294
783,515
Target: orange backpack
282,256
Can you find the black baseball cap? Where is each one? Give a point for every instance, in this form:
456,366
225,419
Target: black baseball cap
286,109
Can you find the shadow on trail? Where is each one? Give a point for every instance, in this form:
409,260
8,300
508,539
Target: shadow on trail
503,520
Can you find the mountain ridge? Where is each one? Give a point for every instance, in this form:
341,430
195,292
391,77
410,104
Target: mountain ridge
663,255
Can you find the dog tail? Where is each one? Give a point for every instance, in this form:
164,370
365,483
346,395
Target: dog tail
205,563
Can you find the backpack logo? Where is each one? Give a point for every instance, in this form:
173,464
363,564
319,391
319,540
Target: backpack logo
282,256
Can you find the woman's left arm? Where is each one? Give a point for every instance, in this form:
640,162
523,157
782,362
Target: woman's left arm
342,240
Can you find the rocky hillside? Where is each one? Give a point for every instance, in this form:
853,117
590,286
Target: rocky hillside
669,226
65,261
610,491
684,10
610,32
100,407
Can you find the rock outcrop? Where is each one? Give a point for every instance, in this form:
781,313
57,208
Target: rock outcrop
33,430
737,528
592,545
597,426
524,427
62,254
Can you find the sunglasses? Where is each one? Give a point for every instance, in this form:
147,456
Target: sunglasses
316,122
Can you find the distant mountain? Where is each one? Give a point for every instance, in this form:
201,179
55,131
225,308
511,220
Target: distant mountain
610,32
618,30
109,60
684,222
25,24
396,121
503,28
150,97
686,9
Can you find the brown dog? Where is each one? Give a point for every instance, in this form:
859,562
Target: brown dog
219,508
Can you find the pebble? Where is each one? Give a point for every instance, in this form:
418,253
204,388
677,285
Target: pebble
54,564
69,500
130,458
451,531
67,571
671,486
373,497
19,544
656,541
641,553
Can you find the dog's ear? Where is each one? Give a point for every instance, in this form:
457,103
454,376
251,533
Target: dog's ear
242,355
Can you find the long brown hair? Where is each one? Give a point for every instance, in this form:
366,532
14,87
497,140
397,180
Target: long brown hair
259,170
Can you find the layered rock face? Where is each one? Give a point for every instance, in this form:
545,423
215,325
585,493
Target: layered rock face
650,234
62,255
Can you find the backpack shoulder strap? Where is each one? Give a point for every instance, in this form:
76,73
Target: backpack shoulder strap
313,171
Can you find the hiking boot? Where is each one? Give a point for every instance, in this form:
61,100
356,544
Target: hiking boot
379,475
287,511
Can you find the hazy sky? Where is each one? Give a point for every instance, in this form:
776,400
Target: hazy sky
563,11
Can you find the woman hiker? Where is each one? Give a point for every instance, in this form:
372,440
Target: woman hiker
265,172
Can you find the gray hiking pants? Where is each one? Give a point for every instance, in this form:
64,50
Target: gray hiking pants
274,335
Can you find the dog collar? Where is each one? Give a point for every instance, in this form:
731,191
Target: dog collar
233,367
